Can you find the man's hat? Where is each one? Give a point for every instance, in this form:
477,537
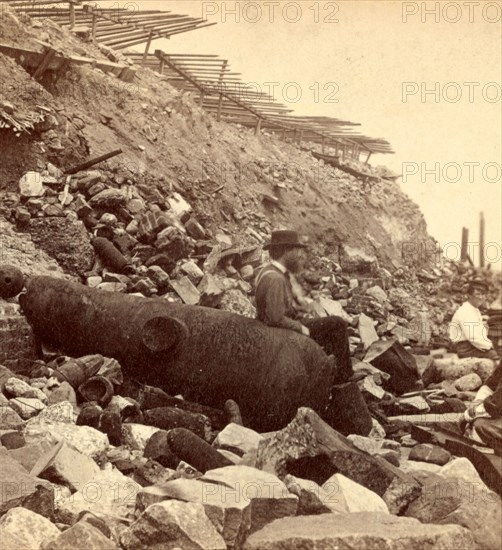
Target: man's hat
284,237
478,284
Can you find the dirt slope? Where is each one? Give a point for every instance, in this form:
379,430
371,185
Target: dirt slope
223,170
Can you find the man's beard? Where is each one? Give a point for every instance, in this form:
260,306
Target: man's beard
292,265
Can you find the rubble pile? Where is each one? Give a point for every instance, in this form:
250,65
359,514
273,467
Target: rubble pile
90,454
135,468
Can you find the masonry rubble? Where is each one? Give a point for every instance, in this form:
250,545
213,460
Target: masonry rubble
161,249
87,454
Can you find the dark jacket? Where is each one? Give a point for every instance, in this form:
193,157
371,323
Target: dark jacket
274,299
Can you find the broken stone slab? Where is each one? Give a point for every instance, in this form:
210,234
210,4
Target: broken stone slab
237,439
237,499
30,528
183,489
468,382
28,455
12,440
457,501
412,467
368,385
411,405
19,488
19,388
352,496
462,468
192,271
425,419
9,540
367,331
234,458
27,407
136,436
173,524
312,498
63,412
368,445
30,185
80,535
359,530
9,419
309,447
235,301
64,392
186,290
267,495
84,439
179,205
152,473
65,466
378,294
425,452
108,199
453,368
109,493
332,307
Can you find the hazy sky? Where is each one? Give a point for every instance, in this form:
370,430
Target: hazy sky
362,54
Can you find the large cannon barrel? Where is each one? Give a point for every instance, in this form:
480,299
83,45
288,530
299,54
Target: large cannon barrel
205,354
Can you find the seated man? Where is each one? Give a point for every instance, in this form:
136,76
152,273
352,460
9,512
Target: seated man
484,416
275,302
467,330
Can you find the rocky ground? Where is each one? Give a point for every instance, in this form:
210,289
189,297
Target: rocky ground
114,464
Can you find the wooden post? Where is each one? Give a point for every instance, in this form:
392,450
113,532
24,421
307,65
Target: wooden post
72,14
463,247
300,138
162,64
323,145
258,127
369,156
94,26
147,48
481,240
201,99
220,105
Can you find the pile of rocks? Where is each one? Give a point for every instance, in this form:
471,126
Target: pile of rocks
144,469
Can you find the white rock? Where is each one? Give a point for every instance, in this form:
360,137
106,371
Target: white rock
179,205
109,492
354,496
312,498
30,185
468,382
237,438
84,439
58,413
192,271
64,465
377,293
30,528
332,307
367,330
462,468
173,525
20,388
26,407
136,436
